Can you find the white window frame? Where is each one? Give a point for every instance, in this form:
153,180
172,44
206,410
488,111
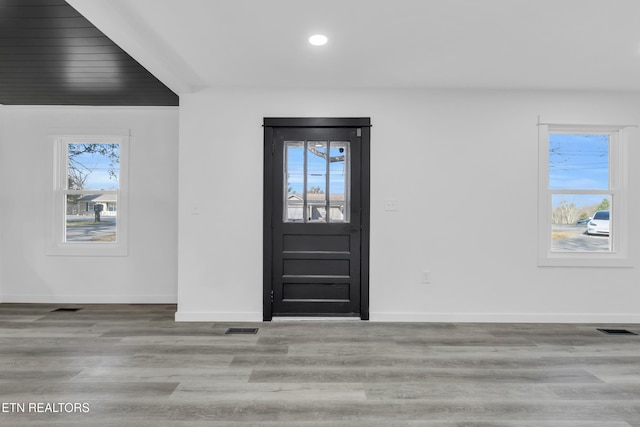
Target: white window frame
56,211
618,256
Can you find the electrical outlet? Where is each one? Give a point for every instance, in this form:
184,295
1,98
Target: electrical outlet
426,277
390,205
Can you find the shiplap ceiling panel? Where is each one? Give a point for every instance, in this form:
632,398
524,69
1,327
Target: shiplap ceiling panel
51,55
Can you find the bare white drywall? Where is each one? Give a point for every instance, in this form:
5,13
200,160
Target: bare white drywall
462,166
149,273
3,196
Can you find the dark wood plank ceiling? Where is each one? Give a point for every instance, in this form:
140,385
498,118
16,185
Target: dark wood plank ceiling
52,55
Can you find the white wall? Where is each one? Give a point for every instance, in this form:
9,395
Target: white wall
463,167
3,195
149,273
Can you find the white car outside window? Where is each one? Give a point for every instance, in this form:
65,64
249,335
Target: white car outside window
599,224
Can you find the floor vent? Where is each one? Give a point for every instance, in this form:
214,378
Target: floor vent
617,332
232,331
66,309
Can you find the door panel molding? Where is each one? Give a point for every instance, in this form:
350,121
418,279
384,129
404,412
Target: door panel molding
332,296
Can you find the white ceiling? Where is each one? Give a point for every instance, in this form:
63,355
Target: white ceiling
488,44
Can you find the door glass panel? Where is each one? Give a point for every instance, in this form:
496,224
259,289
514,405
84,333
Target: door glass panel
317,181
339,181
294,181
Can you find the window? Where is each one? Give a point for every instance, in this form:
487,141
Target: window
582,196
316,176
88,206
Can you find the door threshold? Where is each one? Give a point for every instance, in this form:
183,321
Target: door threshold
314,319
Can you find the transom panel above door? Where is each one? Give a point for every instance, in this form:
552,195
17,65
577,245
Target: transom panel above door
316,217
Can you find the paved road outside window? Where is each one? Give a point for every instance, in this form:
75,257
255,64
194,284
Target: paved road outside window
573,238
83,228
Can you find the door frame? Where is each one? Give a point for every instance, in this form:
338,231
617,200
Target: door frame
269,124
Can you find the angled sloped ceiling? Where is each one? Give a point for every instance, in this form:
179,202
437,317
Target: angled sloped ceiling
51,55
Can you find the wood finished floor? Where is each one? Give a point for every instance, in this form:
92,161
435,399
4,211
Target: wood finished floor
134,366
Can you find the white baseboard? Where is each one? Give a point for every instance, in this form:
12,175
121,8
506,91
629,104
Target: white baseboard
182,316
600,318
506,317
315,319
90,299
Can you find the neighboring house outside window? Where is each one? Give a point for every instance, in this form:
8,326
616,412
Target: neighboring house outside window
582,196
88,206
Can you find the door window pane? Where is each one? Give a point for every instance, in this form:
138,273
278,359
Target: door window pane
316,180
339,182
294,181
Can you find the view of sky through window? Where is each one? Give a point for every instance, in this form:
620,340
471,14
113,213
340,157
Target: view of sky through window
579,162
317,168
93,166
579,184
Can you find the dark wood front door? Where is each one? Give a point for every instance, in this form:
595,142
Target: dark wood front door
316,217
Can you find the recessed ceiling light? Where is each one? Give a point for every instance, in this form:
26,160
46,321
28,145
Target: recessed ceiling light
318,40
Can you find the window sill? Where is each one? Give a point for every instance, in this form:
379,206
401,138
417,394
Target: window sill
88,249
585,260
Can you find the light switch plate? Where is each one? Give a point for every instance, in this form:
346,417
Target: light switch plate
391,205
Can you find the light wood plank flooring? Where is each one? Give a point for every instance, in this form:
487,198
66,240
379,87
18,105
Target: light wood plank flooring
132,365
